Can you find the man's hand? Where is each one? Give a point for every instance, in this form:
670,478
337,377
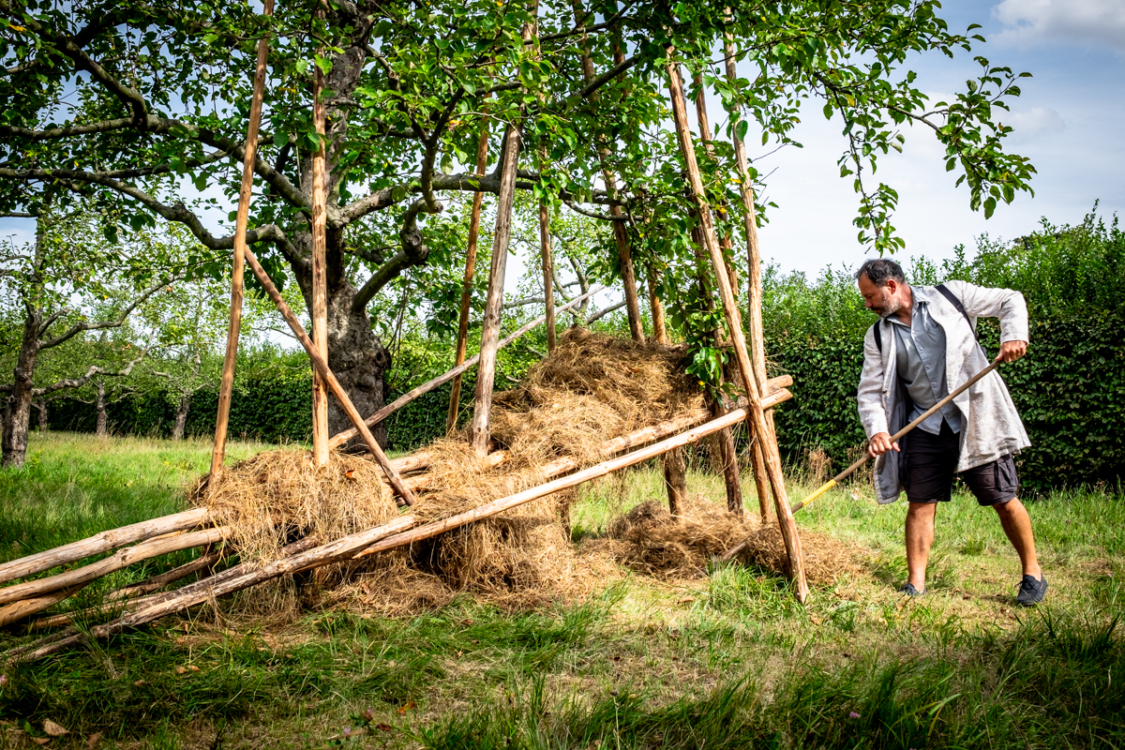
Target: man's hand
1010,351
880,444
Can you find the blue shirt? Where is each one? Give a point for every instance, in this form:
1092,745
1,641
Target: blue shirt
920,360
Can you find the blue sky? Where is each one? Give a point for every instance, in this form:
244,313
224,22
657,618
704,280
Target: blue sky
1065,121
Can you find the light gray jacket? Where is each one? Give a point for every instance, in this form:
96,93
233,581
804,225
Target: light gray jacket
991,428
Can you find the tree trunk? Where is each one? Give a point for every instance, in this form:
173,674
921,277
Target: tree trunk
355,355
101,428
42,424
181,416
14,441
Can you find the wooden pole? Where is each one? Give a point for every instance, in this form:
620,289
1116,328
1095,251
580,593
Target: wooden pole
480,430
123,558
621,238
321,365
659,330
467,283
101,542
728,455
742,357
426,387
319,279
753,280
238,269
548,282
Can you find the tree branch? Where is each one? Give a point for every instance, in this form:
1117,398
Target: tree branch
82,325
90,375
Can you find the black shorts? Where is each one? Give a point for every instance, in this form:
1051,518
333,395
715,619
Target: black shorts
931,462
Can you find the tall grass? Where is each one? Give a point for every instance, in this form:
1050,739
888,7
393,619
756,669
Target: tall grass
727,660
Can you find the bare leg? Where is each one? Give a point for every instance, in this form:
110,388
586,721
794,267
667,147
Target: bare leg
1017,525
919,539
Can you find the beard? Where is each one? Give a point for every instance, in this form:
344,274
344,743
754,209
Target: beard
888,305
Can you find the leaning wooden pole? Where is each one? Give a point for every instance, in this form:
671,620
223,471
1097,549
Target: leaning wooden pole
238,267
620,236
467,282
428,386
480,431
321,364
319,278
754,277
548,273
742,357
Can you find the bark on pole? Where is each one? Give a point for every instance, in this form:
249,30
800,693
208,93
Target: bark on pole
480,432
319,276
753,274
756,414
321,364
226,384
467,283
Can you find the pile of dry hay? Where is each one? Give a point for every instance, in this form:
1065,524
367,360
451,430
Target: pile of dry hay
592,389
650,540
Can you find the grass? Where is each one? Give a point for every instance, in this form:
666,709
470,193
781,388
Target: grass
729,660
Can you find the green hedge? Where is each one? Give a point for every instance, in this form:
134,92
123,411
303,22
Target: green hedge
1069,390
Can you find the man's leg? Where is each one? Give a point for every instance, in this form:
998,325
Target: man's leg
1017,525
919,539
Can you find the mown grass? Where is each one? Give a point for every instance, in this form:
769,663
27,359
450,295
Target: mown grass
729,660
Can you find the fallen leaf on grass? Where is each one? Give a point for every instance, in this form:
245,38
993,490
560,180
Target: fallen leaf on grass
686,600
93,740
383,727
408,707
138,683
816,620
40,740
53,729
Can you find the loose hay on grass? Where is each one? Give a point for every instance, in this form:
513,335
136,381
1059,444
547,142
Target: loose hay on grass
649,540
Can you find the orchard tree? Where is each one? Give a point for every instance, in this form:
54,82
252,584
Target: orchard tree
147,103
68,284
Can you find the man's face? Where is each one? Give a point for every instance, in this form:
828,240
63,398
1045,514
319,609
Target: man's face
881,300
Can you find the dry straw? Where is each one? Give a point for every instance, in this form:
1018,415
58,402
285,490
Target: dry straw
592,389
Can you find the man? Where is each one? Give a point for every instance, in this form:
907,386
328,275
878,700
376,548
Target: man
923,347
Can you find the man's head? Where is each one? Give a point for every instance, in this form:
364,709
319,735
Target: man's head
883,286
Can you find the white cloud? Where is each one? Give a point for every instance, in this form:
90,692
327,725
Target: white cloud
1034,123
1085,22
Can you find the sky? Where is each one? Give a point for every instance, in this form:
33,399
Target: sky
1064,121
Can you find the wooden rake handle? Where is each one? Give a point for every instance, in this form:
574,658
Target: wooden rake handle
898,435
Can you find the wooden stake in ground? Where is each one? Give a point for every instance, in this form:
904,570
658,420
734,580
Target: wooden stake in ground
321,364
467,282
548,285
742,357
238,269
480,432
754,281
659,331
319,279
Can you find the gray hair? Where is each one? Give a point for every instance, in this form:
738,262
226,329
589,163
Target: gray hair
881,270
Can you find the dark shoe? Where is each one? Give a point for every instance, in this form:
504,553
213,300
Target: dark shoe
910,591
1032,591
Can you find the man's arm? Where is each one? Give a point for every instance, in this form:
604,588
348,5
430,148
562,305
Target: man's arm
872,415
1006,304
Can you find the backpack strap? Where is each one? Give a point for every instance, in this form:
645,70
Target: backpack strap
879,336
961,308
